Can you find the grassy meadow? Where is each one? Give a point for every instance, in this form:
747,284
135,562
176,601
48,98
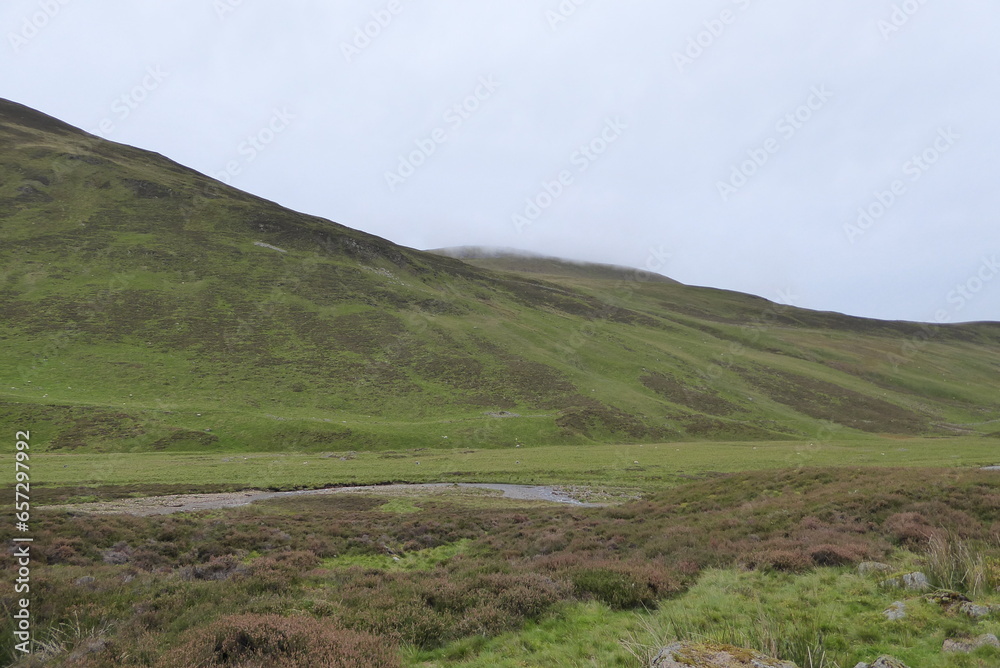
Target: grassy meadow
643,467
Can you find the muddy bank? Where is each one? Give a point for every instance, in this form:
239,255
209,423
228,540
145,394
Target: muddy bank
179,503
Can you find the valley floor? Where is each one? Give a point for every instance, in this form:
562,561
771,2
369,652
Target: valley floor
679,542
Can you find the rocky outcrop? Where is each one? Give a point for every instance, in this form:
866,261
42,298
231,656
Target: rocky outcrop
713,655
976,611
883,661
953,601
970,645
911,581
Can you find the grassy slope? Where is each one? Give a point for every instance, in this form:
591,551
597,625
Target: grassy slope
139,314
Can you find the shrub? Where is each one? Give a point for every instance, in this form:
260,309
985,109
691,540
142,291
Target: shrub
790,561
959,565
272,641
836,555
217,568
620,590
64,551
910,529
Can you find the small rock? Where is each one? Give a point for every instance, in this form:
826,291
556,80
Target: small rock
972,610
896,611
866,567
886,661
713,655
967,646
916,582
85,581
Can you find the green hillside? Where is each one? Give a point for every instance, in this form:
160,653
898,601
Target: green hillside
147,307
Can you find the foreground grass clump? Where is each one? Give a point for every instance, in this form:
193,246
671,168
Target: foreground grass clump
443,578
827,617
824,618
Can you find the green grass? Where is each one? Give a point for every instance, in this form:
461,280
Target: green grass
615,465
831,615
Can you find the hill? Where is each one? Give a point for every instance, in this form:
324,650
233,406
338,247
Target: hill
146,306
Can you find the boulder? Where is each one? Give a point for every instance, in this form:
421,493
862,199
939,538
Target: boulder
868,567
895,611
972,610
916,582
713,655
911,581
970,645
884,661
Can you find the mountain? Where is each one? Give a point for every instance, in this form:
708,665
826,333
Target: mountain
147,306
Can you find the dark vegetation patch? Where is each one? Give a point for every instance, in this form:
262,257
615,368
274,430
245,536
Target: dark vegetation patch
238,641
366,333
96,425
704,426
184,438
593,419
823,400
147,189
542,294
685,393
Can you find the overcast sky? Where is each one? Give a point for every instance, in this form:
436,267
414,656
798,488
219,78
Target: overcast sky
834,155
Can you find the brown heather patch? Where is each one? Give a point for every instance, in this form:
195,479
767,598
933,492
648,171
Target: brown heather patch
272,641
189,571
685,393
822,400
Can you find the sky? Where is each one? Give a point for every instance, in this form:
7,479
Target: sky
836,156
